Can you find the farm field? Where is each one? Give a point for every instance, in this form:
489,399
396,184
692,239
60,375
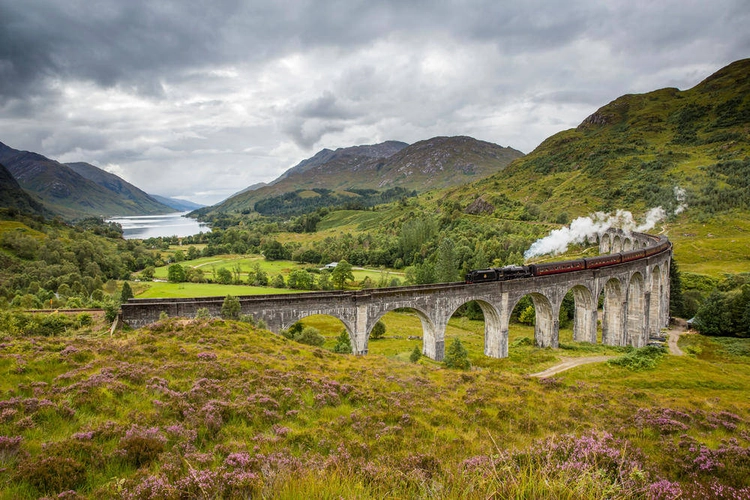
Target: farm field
159,289
246,263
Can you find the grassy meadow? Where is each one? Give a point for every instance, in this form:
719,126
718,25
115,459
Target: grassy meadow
246,263
219,409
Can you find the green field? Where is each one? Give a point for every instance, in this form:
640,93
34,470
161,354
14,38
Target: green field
160,289
717,247
210,265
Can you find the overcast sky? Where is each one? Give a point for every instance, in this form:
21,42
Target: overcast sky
199,99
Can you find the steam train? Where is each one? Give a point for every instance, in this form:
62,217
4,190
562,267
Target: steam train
516,272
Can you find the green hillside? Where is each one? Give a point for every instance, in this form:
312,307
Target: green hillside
13,196
145,203
220,409
637,152
69,194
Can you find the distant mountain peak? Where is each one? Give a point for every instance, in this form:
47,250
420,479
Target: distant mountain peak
430,164
77,190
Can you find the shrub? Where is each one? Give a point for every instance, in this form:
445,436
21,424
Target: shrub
111,310
415,355
84,319
456,356
52,474
230,309
310,336
142,446
644,358
248,318
378,331
127,292
202,313
343,343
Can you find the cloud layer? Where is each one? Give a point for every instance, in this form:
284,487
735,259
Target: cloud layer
200,99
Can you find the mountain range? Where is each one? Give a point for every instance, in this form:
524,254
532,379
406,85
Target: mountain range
76,190
434,163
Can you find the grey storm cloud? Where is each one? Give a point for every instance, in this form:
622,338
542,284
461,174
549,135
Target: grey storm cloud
199,99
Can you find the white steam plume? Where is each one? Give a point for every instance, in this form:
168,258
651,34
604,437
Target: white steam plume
681,196
588,228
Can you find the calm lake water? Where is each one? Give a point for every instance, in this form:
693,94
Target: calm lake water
153,226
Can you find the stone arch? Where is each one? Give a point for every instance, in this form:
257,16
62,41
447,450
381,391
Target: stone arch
433,338
584,319
635,332
605,244
627,244
546,324
644,244
612,321
495,336
616,244
347,325
654,308
305,314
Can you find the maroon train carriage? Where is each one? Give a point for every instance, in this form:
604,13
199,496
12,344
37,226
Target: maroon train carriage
602,260
633,255
557,267
514,272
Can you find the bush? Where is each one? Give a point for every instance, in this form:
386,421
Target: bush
52,474
202,313
378,331
415,355
456,356
343,343
84,319
231,308
644,358
310,336
142,446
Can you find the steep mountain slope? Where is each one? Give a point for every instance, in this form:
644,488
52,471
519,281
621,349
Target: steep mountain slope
640,151
432,164
177,204
635,151
120,187
67,193
12,195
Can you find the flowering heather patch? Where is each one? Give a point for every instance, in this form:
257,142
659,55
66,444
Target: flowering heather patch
275,418
9,447
207,356
141,446
662,420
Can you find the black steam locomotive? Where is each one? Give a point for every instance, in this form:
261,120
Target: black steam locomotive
516,272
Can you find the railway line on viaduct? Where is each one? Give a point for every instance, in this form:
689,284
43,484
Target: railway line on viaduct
635,306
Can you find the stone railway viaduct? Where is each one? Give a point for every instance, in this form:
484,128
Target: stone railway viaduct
636,303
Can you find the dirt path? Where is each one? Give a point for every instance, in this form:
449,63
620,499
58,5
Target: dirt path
674,335
570,363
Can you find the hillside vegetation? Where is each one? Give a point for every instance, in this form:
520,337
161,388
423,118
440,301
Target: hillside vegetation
634,153
215,409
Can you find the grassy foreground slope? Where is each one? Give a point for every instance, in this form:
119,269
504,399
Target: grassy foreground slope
214,409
